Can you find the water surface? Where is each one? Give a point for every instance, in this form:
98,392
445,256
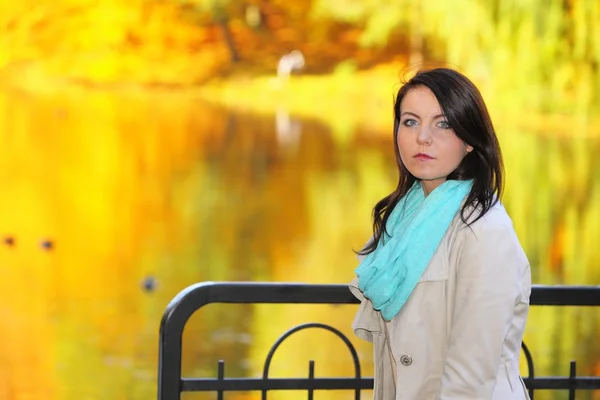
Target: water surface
111,204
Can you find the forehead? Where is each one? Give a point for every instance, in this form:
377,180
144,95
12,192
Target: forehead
421,101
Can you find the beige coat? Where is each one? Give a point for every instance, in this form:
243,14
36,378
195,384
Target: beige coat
459,334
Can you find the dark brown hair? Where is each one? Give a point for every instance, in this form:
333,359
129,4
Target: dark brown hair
466,113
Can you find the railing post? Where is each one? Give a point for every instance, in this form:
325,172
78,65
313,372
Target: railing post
179,310
169,370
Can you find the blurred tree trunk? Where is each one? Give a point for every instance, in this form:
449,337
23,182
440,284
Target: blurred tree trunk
229,40
222,19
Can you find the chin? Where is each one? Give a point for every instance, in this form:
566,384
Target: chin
427,177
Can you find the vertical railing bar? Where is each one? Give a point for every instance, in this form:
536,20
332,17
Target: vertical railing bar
221,377
572,376
311,376
263,395
357,390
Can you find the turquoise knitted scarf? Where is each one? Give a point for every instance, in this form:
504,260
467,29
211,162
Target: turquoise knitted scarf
388,275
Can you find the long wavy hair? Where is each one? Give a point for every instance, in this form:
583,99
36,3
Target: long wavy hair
466,113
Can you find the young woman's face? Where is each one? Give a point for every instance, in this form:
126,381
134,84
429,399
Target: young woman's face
429,148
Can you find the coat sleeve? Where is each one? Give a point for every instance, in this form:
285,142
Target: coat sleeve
488,286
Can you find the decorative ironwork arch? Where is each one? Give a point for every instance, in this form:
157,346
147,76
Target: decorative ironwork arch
311,367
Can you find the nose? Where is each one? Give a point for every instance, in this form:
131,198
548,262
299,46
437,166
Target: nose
424,135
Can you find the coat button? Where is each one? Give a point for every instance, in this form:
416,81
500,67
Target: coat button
406,360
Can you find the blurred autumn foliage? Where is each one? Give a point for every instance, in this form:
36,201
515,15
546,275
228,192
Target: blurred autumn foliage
165,42
553,57
107,41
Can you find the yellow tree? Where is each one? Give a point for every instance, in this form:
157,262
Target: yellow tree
551,56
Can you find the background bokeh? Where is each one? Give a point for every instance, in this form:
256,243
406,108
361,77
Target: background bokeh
146,145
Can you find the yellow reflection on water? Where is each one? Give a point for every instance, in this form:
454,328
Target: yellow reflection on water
102,192
86,174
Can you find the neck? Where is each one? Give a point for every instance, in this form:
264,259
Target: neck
426,191
429,186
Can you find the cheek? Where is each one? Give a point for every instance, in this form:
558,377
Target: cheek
402,143
455,152
402,147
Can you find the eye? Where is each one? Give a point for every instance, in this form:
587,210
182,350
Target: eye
409,122
443,125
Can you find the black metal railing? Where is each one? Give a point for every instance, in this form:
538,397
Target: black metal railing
171,384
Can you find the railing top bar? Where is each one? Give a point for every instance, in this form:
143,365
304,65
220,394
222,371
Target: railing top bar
198,295
559,295
266,292
276,292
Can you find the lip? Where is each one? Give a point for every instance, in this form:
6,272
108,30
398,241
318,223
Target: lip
423,157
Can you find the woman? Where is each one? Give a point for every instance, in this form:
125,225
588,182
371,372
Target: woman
444,283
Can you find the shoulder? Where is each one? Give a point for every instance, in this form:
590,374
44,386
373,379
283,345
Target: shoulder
493,235
488,253
494,220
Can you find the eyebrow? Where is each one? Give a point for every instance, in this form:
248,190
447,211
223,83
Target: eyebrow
415,115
